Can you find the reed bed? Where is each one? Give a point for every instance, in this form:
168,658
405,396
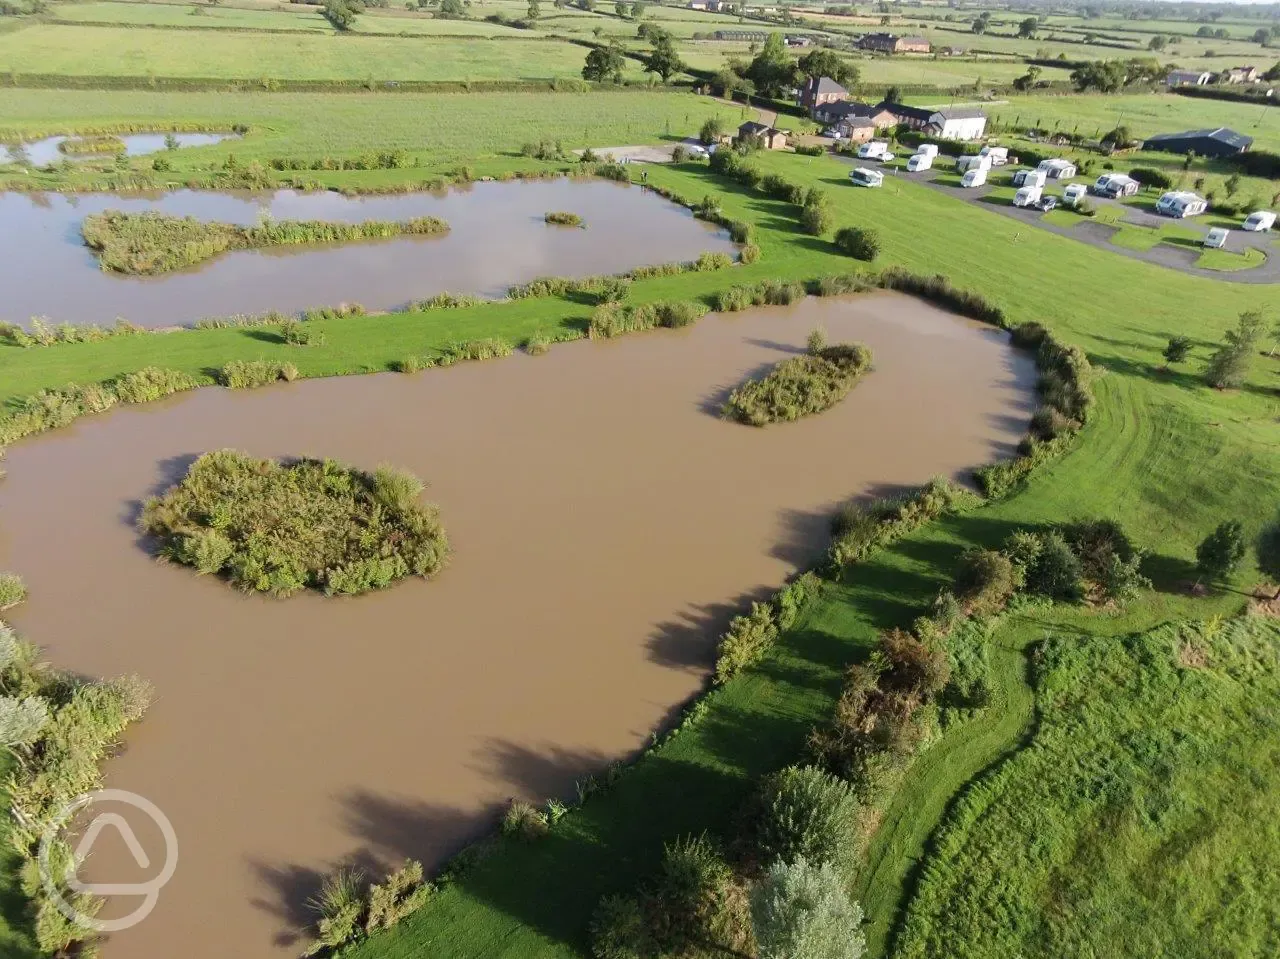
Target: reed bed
800,385
279,528
150,243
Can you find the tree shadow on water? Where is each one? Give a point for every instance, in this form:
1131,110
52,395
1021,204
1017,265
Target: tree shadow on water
169,472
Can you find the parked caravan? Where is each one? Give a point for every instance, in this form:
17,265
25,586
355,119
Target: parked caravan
974,178
1259,222
1181,205
921,161
864,177
1027,196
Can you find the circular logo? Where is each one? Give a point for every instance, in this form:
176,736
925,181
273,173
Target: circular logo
149,891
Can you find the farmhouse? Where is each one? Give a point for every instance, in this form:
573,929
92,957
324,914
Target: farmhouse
1240,75
856,129
1220,142
820,90
768,137
1187,78
953,123
832,113
890,43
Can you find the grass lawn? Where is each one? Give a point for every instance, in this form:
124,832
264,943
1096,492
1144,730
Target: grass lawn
1229,260
446,127
109,51
1163,454
1142,815
1143,114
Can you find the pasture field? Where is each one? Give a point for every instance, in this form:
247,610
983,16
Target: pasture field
1143,114
435,126
108,51
1164,455
302,18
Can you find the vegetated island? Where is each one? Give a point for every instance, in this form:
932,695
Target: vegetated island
150,243
800,385
561,218
281,527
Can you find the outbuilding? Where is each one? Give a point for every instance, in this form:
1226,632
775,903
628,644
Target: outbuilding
766,136
1218,142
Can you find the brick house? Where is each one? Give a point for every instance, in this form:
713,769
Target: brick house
818,91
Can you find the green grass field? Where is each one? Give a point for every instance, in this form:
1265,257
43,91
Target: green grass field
308,19
1144,115
1140,819
444,127
1163,454
109,51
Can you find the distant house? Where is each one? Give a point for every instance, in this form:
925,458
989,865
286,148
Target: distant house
797,40
1240,75
741,36
1206,143
952,123
818,91
1186,78
833,113
768,137
890,43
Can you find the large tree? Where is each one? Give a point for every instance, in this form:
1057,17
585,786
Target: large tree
1027,28
772,71
663,59
1221,552
800,910
604,64
827,63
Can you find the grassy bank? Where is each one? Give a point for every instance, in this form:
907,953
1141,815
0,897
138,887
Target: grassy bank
1142,813
150,243
1161,452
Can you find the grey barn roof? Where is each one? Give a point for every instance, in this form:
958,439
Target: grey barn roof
1223,135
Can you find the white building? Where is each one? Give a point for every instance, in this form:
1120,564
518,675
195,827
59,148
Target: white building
960,123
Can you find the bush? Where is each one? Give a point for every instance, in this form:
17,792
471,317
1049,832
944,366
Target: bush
402,894
410,364
799,386
619,930
800,910
745,642
12,590
152,383
278,528
445,301
537,344
299,334
249,374
859,243
1055,571
805,811
523,821
816,221
490,349
1148,176
749,253
690,891
841,284
986,581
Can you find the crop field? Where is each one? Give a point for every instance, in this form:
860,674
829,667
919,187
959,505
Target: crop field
107,51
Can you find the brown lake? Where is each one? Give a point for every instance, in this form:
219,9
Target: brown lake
497,239
606,524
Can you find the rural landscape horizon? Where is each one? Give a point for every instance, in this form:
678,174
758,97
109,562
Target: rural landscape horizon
619,479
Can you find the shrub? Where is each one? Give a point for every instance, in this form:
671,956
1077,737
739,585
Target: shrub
1149,176
403,893
409,364
562,218
1056,571
338,905
745,642
793,597
1028,336
1221,552
859,529
298,334
279,528
446,301
800,910
938,289
733,300
816,221
799,386
152,383
690,890
816,342
857,242
841,284
1095,543
1229,366
810,151
537,344
986,581
912,666
708,262
619,930
805,811
12,590
678,313
249,374
614,289
523,821
489,349
749,253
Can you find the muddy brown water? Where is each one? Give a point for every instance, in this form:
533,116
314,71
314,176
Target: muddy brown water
605,522
497,239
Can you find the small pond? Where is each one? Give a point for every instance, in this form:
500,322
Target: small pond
497,239
41,153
